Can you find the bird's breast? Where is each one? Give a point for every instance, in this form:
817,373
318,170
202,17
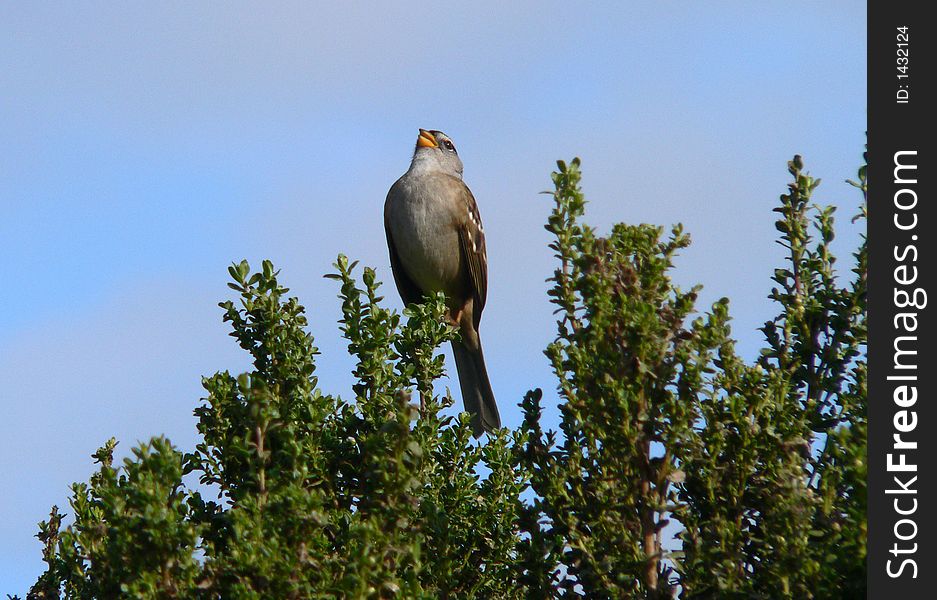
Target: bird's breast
424,232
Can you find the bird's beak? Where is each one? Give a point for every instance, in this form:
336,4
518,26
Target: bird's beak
426,140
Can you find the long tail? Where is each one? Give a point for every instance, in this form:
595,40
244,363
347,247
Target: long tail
477,396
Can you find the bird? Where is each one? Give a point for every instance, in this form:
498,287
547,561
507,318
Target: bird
437,244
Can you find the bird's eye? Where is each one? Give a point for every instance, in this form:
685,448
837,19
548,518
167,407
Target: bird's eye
448,145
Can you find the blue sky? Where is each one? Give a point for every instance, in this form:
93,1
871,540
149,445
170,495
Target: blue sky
146,148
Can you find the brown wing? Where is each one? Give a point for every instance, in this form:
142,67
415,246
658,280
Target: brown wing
472,241
409,292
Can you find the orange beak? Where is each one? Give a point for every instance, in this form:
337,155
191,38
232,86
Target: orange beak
426,140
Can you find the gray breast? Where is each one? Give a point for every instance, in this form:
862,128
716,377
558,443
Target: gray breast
422,223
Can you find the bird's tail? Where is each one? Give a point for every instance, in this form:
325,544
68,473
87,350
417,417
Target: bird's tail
477,396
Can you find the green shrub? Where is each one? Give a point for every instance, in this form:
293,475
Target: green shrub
759,467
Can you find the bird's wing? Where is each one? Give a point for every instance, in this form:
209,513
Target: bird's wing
409,292
472,241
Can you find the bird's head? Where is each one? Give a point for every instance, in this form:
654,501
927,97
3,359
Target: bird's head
435,151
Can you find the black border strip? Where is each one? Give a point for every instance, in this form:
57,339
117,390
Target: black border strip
902,228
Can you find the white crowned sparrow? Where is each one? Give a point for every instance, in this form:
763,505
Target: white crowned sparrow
436,243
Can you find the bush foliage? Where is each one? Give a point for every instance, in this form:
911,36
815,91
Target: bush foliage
679,469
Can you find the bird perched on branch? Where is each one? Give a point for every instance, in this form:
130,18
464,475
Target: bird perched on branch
436,243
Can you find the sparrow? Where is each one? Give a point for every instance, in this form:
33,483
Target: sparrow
437,244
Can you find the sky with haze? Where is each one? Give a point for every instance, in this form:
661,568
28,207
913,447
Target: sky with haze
146,147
